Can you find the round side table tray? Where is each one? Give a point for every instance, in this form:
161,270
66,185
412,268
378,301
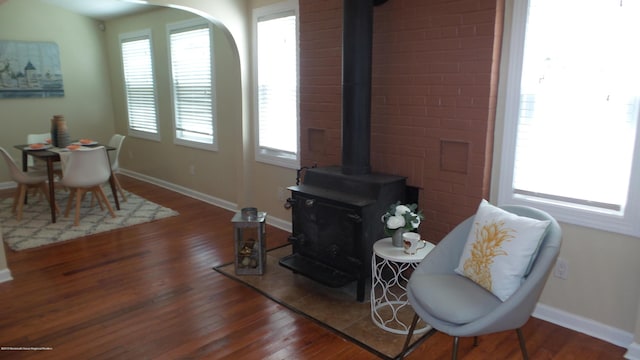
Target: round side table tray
391,268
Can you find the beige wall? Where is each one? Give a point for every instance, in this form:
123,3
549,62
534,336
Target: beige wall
215,171
87,104
256,184
604,267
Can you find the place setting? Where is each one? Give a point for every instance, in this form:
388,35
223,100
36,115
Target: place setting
81,144
39,146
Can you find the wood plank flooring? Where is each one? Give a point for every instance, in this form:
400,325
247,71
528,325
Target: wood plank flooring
149,292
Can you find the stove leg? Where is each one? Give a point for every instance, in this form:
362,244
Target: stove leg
360,291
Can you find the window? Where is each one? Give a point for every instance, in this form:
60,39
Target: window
276,79
137,64
192,79
571,112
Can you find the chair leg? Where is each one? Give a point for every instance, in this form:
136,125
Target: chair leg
96,199
69,202
79,196
454,354
44,192
102,196
119,187
523,346
410,334
22,192
475,341
16,198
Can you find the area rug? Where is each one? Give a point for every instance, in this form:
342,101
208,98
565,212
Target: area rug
36,229
333,308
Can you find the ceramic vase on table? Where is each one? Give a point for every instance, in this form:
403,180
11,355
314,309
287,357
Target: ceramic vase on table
59,132
396,238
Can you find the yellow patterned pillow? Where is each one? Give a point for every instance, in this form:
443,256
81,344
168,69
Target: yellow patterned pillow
499,249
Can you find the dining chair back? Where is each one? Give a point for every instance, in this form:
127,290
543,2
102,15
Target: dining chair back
116,142
85,171
25,181
35,139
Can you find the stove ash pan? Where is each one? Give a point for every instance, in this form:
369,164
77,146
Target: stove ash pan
336,221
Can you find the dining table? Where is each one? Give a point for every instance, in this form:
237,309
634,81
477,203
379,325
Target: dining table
51,155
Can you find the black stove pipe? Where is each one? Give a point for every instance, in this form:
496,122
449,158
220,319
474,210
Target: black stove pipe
356,86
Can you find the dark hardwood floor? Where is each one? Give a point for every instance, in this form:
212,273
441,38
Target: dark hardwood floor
149,292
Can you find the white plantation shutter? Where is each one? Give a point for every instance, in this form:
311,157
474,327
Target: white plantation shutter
137,61
277,85
192,77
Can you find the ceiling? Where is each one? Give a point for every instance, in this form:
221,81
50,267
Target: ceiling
100,9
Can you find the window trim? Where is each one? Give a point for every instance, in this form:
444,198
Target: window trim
264,154
132,36
608,220
186,25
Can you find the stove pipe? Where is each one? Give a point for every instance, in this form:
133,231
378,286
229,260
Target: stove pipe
356,86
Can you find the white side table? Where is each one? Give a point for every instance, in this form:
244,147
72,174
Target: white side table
390,269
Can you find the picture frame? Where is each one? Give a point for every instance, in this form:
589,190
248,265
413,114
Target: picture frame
30,69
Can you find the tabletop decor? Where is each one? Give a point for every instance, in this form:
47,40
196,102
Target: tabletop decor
59,131
401,218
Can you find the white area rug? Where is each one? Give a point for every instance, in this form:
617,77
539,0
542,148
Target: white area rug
35,229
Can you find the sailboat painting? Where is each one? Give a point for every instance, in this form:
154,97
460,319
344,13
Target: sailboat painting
30,69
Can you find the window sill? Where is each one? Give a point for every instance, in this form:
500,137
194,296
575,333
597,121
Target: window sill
144,135
595,218
278,161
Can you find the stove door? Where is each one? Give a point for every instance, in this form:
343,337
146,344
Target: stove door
326,231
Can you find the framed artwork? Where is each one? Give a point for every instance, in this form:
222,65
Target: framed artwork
30,69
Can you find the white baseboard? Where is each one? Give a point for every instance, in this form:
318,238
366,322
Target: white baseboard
633,352
584,325
182,190
279,223
5,274
7,185
273,221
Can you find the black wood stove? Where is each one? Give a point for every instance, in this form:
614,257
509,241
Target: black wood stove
336,220
336,211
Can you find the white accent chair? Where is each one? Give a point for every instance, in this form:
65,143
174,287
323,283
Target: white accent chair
25,180
85,171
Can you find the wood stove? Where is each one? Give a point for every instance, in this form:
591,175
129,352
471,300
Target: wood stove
336,211
336,220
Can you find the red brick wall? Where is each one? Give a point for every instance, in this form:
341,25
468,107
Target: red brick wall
433,97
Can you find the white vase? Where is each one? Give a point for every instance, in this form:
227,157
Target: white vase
396,238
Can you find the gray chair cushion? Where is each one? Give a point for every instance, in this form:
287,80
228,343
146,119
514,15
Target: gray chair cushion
452,298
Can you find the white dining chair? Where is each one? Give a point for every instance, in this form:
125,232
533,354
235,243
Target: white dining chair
116,142
39,164
37,139
85,170
25,181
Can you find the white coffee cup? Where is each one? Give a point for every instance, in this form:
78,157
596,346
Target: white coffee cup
412,243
